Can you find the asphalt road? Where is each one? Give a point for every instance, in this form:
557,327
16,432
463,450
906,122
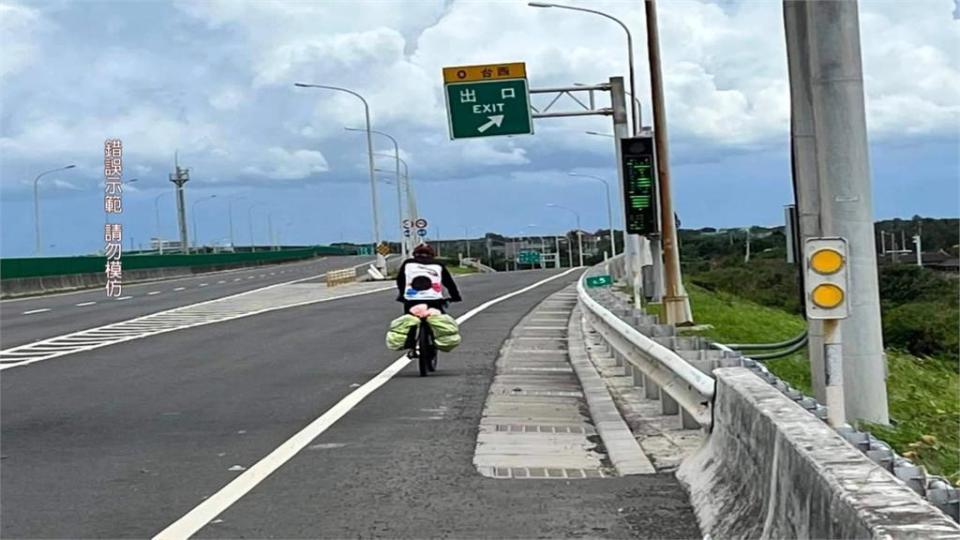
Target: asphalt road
30,319
123,441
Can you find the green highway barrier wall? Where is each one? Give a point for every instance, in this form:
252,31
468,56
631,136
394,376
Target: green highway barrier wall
34,267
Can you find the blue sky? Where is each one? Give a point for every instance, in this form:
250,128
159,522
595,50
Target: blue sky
214,80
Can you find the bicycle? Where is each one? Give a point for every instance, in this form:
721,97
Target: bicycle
424,348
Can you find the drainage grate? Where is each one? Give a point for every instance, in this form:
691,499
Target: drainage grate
541,428
545,473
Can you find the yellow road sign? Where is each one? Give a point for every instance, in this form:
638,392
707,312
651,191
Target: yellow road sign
488,72
383,249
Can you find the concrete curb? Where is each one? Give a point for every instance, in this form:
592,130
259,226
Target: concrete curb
622,448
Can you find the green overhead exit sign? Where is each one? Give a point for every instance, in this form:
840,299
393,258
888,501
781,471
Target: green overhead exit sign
489,100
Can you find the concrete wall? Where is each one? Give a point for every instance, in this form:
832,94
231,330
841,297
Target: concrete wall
770,469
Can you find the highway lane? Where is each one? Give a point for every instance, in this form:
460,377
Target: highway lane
30,319
123,441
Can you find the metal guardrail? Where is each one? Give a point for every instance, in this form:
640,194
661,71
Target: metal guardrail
692,389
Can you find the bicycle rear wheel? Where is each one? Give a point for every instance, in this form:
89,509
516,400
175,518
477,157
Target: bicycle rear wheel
428,352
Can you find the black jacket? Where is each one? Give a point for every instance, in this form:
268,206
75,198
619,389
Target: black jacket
446,279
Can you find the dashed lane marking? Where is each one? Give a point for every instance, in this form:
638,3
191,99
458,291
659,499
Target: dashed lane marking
151,293
83,304
179,289
32,311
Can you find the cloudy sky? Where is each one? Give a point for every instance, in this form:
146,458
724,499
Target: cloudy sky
214,80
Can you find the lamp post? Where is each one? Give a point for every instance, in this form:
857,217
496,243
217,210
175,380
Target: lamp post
579,231
613,240
633,87
193,211
230,215
36,203
396,157
381,261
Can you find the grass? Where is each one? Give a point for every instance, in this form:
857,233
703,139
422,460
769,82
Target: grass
923,393
457,270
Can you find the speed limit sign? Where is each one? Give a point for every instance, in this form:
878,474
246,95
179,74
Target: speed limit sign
421,223
408,224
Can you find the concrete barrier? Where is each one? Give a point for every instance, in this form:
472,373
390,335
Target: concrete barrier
341,277
770,469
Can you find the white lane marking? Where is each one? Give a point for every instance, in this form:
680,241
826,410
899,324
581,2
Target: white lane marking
262,275
82,304
221,282
124,297
203,285
249,277
273,273
32,311
236,279
179,289
216,504
151,293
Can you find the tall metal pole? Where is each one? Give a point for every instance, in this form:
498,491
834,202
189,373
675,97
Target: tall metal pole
396,156
804,167
381,261
676,303
635,111
846,197
613,241
632,248
36,204
556,261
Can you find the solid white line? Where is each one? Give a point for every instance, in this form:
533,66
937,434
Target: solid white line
32,311
179,289
151,293
82,304
216,504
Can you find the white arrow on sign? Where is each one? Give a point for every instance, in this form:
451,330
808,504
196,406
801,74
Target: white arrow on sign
495,120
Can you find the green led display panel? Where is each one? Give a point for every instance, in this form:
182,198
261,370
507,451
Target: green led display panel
640,185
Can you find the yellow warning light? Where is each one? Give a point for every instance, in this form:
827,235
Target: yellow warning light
826,261
827,296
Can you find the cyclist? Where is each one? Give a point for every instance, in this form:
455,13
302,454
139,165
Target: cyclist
421,281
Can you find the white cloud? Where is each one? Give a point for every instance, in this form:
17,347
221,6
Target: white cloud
20,27
282,164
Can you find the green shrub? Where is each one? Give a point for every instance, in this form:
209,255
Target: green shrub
924,329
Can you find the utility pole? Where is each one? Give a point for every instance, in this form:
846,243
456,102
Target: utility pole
675,301
846,196
916,242
179,178
806,182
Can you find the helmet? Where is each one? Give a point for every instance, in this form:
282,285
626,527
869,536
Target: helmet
424,251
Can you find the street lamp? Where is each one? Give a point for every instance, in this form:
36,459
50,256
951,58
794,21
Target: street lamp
193,211
36,203
613,241
611,135
373,181
633,87
579,231
396,156
412,213
230,200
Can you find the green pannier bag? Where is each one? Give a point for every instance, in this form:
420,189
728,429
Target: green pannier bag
399,330
446,332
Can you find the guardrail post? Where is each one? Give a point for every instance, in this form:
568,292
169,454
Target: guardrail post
650,388
667,404
637,377
687,421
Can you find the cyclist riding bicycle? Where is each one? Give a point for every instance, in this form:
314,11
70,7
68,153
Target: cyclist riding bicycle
421,280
